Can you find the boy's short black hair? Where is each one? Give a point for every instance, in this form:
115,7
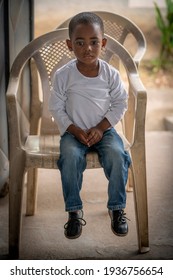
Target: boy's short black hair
85,18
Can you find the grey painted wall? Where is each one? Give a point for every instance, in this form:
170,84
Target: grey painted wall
16,25
4,166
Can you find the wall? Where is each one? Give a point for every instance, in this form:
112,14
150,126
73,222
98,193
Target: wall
16,30
3,117
146,3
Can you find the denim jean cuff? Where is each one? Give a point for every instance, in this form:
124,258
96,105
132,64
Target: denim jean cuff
74,208
118,207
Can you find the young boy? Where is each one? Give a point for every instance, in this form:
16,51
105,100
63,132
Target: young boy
88,99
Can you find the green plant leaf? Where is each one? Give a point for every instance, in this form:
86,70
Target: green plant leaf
159,18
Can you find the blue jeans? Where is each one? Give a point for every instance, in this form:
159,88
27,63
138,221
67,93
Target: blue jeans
114,160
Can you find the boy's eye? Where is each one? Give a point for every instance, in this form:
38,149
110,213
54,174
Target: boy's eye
94,42
79,43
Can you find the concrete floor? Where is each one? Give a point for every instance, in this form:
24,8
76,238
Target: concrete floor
43,234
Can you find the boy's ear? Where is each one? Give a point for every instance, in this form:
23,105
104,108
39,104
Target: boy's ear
104,41
69,44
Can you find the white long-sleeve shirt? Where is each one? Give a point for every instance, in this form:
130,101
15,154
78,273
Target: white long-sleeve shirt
84,101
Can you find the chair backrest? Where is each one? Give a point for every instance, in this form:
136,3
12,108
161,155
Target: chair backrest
124,31
49,52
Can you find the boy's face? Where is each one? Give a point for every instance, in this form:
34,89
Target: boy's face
87,42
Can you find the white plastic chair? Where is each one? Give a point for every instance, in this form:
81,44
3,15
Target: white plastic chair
40,149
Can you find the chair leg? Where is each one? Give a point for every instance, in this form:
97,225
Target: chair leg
16,180
140,197
130,182
129,117
31,191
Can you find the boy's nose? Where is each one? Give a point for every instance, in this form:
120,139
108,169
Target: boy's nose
88,47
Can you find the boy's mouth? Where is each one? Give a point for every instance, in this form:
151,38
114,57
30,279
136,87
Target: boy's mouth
88,55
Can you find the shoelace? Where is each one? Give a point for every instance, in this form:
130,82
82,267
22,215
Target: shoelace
80,220
122,217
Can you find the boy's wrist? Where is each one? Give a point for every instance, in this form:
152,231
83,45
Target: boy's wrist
71,128
103,125
74,130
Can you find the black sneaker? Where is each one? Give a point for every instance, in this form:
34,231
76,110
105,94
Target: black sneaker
73,228
119,225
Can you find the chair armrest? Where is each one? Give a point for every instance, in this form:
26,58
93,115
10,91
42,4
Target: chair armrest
140,94
17,120
142,45
139,55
